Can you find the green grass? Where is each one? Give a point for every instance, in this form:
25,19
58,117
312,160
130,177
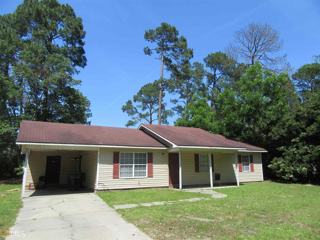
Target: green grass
10,203
254,211
144,195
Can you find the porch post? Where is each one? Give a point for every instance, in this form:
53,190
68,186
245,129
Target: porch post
236,169
97,171
25,169
180,171
210,170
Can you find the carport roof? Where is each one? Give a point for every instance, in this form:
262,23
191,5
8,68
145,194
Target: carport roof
80,134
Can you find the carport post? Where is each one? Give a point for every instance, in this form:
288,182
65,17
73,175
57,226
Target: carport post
180,171
210,169
25,169
236,169
97,171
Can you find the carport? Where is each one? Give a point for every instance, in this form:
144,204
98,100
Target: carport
51,168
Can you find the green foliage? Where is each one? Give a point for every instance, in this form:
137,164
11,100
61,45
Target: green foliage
307,78
300,161
257,109
198,114
144,106
41,50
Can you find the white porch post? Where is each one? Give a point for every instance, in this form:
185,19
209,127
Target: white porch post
97,171
236,169
210,170
180,171
25,169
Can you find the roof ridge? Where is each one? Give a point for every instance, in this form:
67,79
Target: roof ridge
78,124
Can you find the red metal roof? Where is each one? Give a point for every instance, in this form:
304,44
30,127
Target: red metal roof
188,136
62,133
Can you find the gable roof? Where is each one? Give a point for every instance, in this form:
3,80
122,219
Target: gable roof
195,137
63,133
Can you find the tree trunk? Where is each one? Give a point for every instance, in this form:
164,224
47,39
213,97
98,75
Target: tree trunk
160,92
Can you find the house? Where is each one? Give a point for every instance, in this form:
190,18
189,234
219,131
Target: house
123,158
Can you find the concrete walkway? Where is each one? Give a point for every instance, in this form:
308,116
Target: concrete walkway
207,191
73,217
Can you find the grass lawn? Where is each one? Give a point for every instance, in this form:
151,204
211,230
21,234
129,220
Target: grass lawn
254,211
10,203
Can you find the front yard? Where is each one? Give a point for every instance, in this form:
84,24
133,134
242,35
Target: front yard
254,211
10,203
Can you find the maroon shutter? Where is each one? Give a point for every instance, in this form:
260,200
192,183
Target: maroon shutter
196,162
150,165
239,163
251,164
115,165
212,162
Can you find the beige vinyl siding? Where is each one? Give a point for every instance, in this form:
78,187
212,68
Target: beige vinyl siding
189,175
255,176
224,164
160,171
37,166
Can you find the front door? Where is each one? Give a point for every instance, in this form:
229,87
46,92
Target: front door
174,169
53,169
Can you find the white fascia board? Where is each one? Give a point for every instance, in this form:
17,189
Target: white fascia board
213,148
153,132
86,145
253,151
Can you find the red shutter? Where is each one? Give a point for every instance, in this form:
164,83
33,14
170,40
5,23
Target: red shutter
212,162
150,165
239,163
196,162
251,164
116,165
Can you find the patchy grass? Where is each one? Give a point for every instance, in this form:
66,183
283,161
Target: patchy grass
10,203
254,211
144,195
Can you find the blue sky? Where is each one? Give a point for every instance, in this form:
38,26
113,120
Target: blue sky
117,66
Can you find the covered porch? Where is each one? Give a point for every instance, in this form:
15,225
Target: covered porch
51,169
203,167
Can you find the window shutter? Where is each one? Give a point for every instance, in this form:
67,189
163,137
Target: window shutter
196,162
150,165
212,162
115,165
239,163
251,164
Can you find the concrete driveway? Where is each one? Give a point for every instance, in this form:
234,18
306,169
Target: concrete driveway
71,216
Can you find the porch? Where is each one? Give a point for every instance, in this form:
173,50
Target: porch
205,168
54,170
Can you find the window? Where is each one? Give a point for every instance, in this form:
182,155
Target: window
133,165
245,163
203,163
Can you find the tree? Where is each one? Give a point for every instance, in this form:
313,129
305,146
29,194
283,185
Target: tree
41,50
197,113
187,85
300,159
258,109
52,54
222,71
307,78
172,51
145,105
258,43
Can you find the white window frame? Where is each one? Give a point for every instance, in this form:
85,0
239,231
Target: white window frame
247,159
133,165
206,162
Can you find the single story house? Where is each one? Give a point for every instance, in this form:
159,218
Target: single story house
123,158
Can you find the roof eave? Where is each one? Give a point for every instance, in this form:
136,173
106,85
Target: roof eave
86,145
